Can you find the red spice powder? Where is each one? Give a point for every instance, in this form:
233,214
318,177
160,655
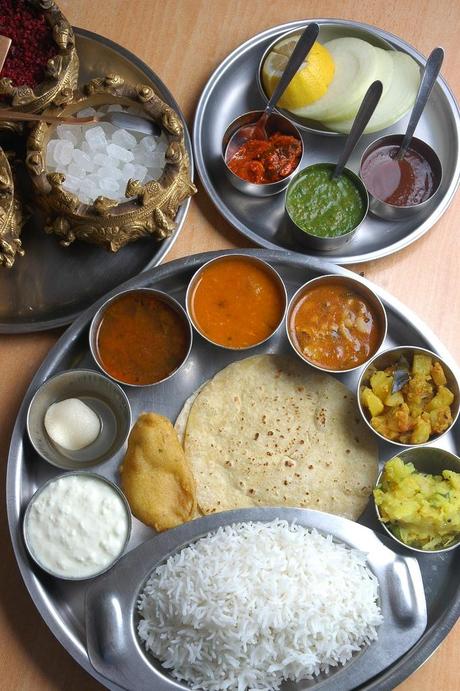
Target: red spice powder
32,42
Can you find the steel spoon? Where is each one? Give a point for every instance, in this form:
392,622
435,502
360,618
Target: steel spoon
257,130
364,114
429,76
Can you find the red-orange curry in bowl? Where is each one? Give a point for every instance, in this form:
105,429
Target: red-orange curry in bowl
142,337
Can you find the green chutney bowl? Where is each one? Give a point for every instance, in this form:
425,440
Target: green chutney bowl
317,242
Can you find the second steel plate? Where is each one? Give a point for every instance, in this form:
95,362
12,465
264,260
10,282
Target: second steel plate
51,285
232,90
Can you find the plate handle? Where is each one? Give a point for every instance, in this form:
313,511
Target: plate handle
112,648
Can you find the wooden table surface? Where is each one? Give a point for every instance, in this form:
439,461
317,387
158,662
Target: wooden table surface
183,41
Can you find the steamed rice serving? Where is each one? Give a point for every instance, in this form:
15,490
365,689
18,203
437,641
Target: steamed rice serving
255,604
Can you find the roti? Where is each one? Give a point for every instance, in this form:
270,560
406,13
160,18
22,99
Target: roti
271,431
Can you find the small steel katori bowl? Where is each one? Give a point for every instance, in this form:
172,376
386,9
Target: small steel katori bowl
163,297
102,395
389,357
265,266
275,123
316,242
431,461
108,566
392,212
353,284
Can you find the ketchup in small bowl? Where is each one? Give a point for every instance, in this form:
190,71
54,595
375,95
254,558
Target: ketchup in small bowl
399,187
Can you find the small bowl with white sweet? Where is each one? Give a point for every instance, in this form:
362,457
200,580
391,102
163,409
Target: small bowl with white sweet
78,419
77,525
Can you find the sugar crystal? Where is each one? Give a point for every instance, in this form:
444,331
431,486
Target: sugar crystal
69,133
95,136
83,160
124,139
120,153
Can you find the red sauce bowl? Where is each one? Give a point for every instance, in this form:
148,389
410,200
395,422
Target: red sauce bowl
389,211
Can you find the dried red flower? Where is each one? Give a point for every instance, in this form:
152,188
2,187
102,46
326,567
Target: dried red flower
32,42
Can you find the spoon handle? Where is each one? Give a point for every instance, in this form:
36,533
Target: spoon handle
429,76
10,115
5,45
300,52
363,116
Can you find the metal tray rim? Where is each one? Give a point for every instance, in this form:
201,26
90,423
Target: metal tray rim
410,661
166,245
262,242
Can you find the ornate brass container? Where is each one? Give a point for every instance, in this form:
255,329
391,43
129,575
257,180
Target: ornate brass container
61,72
153,205
10,216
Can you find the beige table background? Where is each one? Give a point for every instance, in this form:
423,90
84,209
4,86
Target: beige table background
183,41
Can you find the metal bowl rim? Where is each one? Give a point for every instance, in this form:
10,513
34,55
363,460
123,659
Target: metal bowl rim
415,207
307,128
382,353
223,257
385,526
359,184
95,322
340,279
76,371
35,496
254,187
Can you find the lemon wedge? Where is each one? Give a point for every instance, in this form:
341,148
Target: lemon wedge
309,83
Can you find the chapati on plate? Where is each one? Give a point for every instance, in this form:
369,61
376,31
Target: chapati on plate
270,431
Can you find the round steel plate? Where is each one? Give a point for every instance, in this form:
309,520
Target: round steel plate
60,603
232,90
51,285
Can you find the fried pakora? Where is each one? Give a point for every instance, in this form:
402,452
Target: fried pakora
155,475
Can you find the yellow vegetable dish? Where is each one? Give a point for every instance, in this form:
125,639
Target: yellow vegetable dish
421,510
420,409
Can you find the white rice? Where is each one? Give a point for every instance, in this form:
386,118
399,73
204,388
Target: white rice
255,604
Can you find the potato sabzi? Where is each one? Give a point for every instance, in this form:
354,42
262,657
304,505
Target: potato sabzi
418,411
421,510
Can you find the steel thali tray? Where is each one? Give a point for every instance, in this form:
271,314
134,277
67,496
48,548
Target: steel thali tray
51,285
232,90
61,603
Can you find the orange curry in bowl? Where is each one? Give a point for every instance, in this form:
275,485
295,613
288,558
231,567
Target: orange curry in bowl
335,327
237,302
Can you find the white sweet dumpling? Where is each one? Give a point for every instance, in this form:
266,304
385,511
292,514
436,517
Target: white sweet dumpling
72,424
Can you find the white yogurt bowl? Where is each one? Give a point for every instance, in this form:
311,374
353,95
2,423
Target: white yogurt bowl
77,525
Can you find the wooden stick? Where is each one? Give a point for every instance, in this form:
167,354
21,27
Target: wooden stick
6,114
